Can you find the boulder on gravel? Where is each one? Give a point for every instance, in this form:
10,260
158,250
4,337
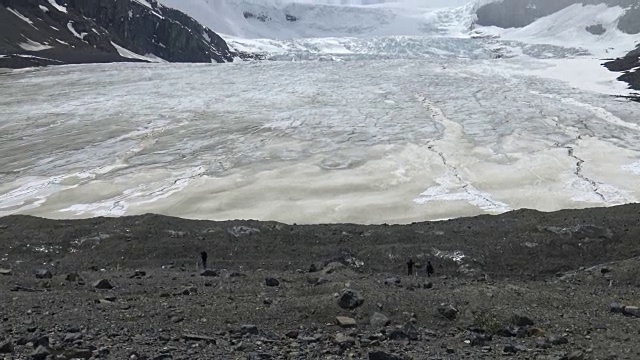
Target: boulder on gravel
103,284
631,311
43,274
379,320
332,267
350,299
209,273
6,347
345,322
40,353
271,282
521,320
381,355
73,277
448,311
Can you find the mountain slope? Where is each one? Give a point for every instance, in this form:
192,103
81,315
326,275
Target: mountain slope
46,32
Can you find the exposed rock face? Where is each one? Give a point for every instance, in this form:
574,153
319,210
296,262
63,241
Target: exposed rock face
35,32
629,66
520,13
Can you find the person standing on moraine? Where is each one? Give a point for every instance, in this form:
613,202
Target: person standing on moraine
429,269
410,264
203,255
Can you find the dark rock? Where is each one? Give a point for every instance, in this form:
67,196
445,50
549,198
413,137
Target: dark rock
480,339
293,334
139,274
605,270
428,285
381,355
249,329
345,322
558,340
40,353
317,266
103,284
378,320
73,277
596,29
392,281
448,311
350,299
189,290
510,349
507,331
631,311
410,331
521,320
78,353
344,341
195,337
543,343
209,273
576,355
43,274
41,341
332,267
616,308
271,282
6,347
71,337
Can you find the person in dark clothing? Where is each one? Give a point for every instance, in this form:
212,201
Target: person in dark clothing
429,268
410,266
203,255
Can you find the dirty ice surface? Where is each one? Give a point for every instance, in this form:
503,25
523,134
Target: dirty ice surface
337,141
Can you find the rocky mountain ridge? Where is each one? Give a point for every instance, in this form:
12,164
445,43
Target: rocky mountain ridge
47,32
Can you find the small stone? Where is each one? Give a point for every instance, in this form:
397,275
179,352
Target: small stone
6,347
381,355
616,308
73,277
428,285
378,320
631,311
249,329
521,320
43,274
293,334
332,267
392,281
343,340
507,332
510,349
271,282
71,337
345,322
543,343
189,290
40,353
350,299
5,271
448,311
103,284
209,273
576,355
139,274
78,354
558,340
605,270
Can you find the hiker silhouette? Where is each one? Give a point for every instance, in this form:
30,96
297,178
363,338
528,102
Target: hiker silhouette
203,255
410,264
429,268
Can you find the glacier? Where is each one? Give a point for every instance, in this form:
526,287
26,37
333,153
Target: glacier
405,124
